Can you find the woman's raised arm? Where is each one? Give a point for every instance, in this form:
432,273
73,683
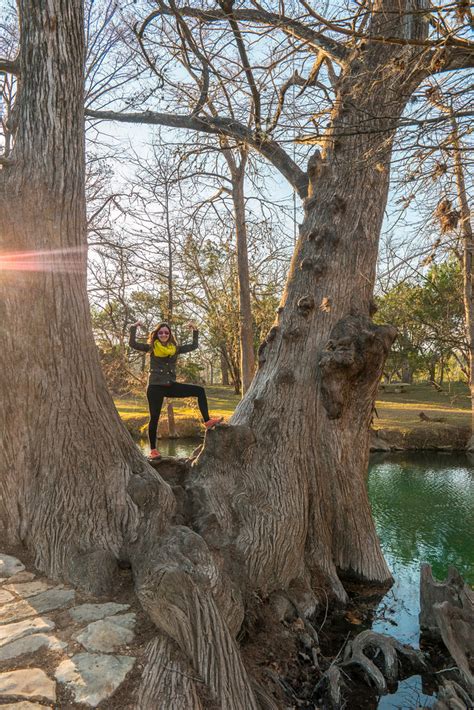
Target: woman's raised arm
133,342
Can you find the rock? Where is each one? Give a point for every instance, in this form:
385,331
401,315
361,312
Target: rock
94,612
108,634
377,443
30,644
29,683
27,589
12,632
46,601
93,677
5,596
22,577
10,566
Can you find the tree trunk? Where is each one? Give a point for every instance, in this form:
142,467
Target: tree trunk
65,457
441,371
407,373
467,260
304,423
247,356
224,369
172,433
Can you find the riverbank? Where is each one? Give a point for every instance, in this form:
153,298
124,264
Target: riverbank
397,425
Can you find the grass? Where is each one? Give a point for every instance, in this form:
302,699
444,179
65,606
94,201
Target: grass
222,402
395,411
401,411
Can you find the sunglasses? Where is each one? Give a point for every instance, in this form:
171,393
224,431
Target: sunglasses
163,332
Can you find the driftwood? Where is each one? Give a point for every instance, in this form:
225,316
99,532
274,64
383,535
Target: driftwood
425,418
453,590
447,612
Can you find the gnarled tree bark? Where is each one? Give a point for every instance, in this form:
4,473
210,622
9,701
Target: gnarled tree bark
65,456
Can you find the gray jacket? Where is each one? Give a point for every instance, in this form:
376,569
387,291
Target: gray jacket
162,369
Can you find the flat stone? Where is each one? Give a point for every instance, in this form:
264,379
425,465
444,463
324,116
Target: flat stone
10,565
24,705
22,577
28,589
30,644
5,596
12,632
46,601
93,677
93,612
108,634
29,683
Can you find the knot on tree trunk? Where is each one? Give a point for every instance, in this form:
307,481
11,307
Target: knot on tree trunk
353,360
271,335
305,305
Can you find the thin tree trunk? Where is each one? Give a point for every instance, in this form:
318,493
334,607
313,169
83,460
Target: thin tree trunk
172,433
247,355
224,369
468,251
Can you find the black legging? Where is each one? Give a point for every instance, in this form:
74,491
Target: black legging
156,394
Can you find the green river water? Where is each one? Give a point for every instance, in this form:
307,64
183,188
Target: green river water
423,505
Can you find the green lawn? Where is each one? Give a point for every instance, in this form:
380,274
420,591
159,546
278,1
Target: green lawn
395,411
400,411
222,402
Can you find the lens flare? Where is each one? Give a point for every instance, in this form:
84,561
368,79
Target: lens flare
69,260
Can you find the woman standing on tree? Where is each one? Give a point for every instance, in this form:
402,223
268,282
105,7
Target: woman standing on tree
164,352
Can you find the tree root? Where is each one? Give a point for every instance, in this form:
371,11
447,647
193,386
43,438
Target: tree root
330,687
167,680
452,697
355,656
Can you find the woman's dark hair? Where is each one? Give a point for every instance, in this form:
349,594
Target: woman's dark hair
154,335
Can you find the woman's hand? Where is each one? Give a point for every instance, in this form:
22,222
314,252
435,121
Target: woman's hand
137,325
192,326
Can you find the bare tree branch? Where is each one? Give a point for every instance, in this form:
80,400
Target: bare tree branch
9,66
294,28
405,41
227,6
218,126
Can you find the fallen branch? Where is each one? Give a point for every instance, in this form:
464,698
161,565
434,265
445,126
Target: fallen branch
425,418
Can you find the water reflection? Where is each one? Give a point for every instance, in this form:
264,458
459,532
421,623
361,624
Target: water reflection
409,694
423,508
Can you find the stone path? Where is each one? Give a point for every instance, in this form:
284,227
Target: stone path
56,651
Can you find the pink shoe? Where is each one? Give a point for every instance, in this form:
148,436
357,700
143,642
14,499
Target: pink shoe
212,422
154,454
